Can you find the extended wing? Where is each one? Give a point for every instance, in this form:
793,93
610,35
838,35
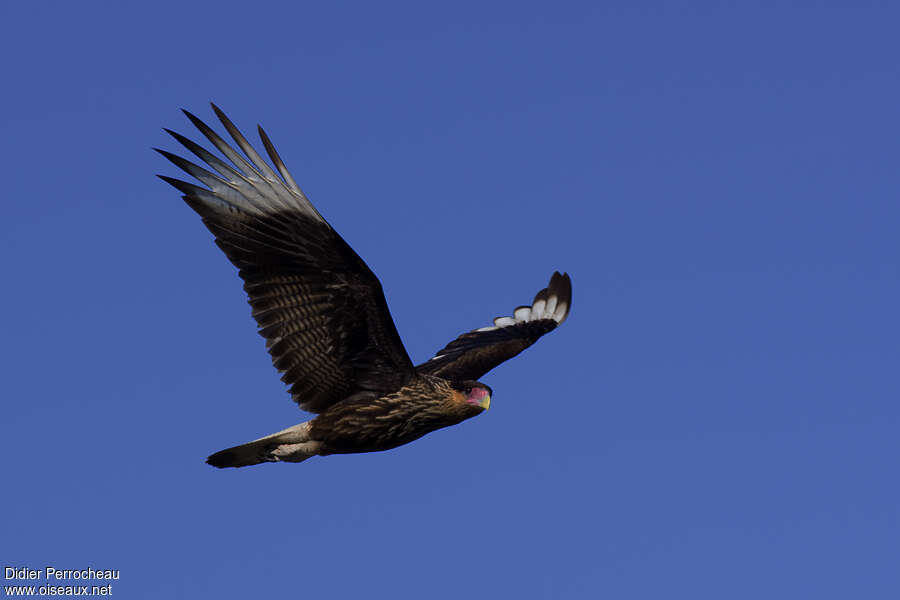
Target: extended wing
473,354
320,308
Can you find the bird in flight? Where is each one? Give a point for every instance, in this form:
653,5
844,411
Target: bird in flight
325,320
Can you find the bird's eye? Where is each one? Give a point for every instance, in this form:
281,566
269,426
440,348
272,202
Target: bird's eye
468,390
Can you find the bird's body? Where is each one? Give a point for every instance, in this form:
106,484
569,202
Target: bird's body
366,424
326,321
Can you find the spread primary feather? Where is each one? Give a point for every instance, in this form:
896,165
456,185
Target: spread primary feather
325,318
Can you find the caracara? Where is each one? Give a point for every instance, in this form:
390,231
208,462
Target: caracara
325,319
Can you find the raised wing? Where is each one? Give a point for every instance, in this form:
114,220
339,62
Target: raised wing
473,354
320,308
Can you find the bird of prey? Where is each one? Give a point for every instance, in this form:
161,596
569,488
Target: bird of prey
325,320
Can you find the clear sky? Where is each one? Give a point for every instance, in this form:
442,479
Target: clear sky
718,418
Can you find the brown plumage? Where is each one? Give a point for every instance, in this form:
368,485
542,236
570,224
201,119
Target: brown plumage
325,319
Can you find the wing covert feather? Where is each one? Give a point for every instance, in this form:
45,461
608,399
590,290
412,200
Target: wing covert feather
318,305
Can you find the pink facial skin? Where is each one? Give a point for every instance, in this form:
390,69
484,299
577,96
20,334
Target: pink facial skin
480,397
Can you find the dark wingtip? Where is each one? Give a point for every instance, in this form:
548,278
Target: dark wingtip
222,117
182,186
198,123
561,282
174,134
561,285
266,141
167,154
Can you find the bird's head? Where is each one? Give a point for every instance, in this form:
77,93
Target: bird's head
474,395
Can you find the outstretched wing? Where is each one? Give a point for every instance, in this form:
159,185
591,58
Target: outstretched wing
320,308
473,354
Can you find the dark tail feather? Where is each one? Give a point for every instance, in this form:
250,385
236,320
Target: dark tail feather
289,445
236,457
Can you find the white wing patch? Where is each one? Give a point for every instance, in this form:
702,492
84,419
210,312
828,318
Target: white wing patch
549,308
505,321
543,308
552,308
562,311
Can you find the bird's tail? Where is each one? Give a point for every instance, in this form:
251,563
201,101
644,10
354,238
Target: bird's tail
289,445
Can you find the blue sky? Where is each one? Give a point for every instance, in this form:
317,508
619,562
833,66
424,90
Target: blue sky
717,418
